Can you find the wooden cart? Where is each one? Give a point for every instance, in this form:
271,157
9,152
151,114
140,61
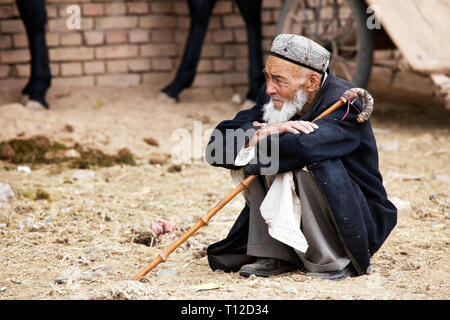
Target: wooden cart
353,29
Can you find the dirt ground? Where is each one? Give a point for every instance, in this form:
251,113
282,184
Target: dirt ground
81,244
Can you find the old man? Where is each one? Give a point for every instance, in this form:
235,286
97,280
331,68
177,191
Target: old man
318,204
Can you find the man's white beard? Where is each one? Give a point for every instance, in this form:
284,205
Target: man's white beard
289,109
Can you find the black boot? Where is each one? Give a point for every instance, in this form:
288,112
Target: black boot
266,267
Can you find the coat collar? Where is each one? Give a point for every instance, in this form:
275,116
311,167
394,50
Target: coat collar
314,108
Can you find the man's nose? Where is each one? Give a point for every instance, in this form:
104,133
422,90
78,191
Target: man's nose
271,88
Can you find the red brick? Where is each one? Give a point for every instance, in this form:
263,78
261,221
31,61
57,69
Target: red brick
71,69
94,67
162,64
20,40
12,26
161,7
181,36
215,23
233,21
5,41
126,80
269,30
162,35
52,11
223,36
208,80
158,50
15,56
267,16
71,54
236,50
6,12
157,21
185,22
211,51
181,7
22,70
58,25
223,65
66,1
271,4
117,66
139,65
116,37
156,78
136,36
241,64
93,9
85,81
235,78
116,9
137,7
4,71
240,35
222,7
117,51
71,39
114,23
204,65
94,37
52,39
10,84
54,69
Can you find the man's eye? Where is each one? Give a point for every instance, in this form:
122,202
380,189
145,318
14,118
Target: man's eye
278,81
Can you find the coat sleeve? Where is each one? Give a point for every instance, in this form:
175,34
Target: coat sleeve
333,139
230,136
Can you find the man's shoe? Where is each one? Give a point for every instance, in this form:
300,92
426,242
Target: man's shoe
266,267
334,275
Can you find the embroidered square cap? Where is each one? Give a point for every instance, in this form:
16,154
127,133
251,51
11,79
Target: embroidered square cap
302,51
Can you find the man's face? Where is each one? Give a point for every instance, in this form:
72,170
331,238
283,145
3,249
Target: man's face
283,80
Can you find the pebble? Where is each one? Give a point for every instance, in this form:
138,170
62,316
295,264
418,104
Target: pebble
403,207
6,193
2,289
15,281
164,273
388,146
71,153
24,169
50,194
82,175
236,99
442,178
291,289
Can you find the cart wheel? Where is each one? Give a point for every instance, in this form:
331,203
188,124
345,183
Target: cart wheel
338,26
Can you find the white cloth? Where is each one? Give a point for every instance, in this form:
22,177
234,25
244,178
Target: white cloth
245,156
281,208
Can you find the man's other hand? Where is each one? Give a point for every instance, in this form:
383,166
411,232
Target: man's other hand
294,127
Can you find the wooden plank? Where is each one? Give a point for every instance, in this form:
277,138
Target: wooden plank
420,29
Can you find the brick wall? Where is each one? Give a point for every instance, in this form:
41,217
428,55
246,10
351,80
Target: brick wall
133,42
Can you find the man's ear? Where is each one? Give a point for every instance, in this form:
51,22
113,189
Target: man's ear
312,82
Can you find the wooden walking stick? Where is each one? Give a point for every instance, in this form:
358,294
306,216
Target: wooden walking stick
347,97
200,223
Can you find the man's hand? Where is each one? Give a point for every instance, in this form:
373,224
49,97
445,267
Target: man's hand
294,127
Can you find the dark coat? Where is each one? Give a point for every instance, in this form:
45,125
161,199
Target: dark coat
342,157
